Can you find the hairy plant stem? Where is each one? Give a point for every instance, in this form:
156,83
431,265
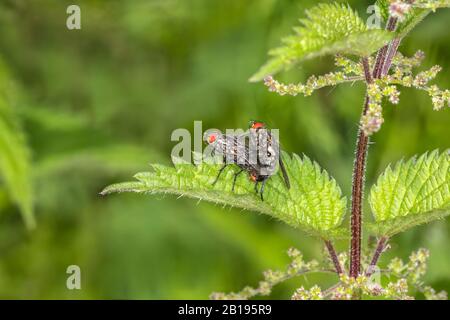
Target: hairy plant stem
359,164
381,55
358,187
334,257
357,193
366,68
393,47
381,245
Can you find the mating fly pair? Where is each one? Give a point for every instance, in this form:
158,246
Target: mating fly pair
256,152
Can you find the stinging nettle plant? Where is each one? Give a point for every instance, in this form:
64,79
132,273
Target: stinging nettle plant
407,194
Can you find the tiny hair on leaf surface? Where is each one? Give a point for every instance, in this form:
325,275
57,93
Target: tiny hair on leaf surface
328,29
411,193
314,203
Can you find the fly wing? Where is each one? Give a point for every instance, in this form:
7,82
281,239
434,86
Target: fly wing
268,150
284,173
238,151
275,144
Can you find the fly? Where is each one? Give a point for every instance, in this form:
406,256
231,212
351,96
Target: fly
234,151
268,149
244,150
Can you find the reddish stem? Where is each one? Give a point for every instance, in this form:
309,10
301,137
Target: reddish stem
378,251
393,47
381,56
366,68
357,194
358,187
359,165
334,257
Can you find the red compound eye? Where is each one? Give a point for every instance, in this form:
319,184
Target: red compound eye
257,125
253,177
212,138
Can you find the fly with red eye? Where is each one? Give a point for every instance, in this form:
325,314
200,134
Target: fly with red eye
266,141
257,155
234,150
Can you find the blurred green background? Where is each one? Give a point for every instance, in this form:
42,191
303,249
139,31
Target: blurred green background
85,108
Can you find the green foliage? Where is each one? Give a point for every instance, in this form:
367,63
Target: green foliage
413,192
349,71
403,75
404,279
136,71
412,19
413,273
314,203
296,267
109,158
328,29
415,13
383,5
15,167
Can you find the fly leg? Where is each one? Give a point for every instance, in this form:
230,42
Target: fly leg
284,172
220,172
235,177
261,191
256,187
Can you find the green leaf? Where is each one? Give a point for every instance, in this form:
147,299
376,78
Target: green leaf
314,202
383,5
412,19
413,193
15,164
328,29
414,16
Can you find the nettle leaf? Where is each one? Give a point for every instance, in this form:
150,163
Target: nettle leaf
383,5
15,163
328,29
413,192
411,20
414,16
314,203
